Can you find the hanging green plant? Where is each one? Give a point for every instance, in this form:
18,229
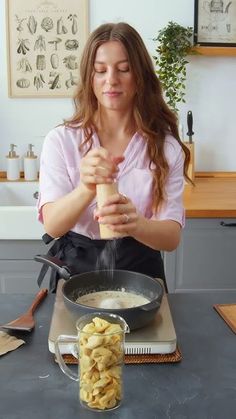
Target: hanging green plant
174,44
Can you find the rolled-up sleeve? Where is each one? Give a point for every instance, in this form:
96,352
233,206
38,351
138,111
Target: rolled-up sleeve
172,208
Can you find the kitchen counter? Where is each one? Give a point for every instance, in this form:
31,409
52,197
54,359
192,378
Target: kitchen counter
201,386
214,195
211,197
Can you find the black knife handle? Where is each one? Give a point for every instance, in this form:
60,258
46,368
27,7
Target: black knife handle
223,224
190,123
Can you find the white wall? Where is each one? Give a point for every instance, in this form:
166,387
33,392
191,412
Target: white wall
211,87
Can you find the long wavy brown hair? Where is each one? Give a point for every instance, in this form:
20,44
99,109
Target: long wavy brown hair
153,118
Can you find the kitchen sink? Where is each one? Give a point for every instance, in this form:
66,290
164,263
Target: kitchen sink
18,213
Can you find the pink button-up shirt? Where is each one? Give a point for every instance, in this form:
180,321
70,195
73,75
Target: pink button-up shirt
59,175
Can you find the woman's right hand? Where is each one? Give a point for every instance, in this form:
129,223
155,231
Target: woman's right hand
98,166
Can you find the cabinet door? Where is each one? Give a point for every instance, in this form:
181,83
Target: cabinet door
205,258
18,276
18,270
21,249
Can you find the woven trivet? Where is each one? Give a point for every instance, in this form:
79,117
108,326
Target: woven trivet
139,359
228,314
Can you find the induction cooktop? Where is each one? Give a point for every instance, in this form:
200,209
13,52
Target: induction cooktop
158,337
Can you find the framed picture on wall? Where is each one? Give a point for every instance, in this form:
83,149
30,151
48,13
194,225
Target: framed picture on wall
215,22
45,39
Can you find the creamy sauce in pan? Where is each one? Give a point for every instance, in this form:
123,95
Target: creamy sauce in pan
112,299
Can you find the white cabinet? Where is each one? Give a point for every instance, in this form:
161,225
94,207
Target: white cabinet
205,258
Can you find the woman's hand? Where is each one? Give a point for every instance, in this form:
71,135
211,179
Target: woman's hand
98,166
119,214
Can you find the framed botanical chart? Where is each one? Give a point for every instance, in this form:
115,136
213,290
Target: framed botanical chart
45,39
215,22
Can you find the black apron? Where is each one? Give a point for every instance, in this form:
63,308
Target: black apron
82,254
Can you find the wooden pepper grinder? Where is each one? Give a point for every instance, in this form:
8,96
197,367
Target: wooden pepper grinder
104,190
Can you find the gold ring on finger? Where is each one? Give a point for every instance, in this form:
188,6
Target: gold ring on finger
126,218
124,198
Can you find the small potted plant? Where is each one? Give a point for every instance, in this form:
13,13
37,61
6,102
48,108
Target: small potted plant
174,43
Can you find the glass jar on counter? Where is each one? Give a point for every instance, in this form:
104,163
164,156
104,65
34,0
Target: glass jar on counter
99,346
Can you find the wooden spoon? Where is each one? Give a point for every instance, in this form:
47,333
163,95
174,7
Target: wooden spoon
26,321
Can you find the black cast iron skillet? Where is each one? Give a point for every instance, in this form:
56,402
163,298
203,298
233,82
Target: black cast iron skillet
116,280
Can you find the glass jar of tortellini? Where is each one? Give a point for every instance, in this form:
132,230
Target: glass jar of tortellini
100,349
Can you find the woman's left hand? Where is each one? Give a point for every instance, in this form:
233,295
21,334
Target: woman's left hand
119,214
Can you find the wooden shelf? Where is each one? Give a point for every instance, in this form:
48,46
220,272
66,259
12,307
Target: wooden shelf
3,178
216,51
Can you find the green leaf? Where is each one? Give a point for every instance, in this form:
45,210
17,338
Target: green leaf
174,43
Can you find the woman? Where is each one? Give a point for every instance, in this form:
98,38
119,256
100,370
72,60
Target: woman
122,130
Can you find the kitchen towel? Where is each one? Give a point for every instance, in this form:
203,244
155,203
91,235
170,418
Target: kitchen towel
228,314
9,343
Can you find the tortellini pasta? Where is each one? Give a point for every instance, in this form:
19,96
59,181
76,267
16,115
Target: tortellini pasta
101,358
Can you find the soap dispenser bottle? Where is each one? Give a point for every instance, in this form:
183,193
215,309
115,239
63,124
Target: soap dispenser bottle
13,164
30,164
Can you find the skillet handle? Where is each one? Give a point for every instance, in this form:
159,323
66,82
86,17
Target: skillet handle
54,263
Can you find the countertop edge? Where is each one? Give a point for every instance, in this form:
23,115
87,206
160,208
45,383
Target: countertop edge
203,213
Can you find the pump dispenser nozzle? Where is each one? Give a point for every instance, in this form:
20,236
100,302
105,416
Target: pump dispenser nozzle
30,153
12,153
